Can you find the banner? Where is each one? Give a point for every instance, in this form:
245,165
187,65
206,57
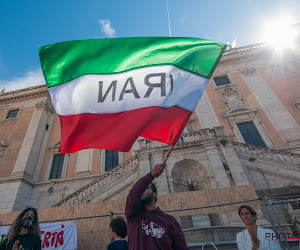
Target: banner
61,236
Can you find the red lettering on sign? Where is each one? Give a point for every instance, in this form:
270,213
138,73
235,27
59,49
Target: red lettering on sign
46,242
60,238
53,238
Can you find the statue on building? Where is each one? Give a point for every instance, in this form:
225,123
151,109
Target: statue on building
191,186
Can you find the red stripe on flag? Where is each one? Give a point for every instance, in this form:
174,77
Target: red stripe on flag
119,131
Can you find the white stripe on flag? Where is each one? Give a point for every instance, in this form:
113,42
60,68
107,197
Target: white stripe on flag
83,94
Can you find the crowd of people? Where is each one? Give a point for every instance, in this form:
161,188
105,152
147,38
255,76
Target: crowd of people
147,225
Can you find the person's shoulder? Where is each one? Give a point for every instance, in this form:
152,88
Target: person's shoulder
117,244
169,217
37,237
172,221
266,230
162,213
33,236
240,234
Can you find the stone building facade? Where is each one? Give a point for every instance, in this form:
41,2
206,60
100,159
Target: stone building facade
244,130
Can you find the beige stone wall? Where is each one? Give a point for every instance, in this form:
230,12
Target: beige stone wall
96,161
251,100
94,233
13,132
286,87
219,106
53,138
282,91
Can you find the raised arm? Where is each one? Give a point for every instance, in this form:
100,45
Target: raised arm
133,203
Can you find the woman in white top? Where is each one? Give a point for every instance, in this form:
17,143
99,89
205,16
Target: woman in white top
254,237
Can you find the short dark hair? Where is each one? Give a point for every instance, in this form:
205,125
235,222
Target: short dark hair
250,209
118,226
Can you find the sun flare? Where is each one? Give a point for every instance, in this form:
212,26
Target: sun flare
280,35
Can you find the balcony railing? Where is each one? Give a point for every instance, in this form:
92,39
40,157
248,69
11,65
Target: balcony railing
267,153
87,191
200,135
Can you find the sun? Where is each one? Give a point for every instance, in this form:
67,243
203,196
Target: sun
280,35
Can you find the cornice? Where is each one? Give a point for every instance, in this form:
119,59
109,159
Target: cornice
24,94
239,110
45,105
241,57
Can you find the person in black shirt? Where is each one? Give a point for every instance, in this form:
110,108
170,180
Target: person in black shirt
117,235
24,233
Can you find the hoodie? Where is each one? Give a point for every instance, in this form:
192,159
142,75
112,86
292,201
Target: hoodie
150,229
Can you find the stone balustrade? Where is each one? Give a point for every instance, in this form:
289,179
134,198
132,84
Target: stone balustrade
242,49
87,191
200,135
267,153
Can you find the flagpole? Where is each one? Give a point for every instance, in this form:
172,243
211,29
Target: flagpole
167,156
169,18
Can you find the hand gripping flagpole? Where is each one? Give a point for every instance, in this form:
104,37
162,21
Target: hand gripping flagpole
166,157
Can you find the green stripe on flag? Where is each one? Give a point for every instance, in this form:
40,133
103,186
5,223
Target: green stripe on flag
65,61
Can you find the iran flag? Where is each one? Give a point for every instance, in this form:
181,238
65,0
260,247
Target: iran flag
108,92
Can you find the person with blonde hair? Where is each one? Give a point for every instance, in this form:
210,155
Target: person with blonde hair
24,233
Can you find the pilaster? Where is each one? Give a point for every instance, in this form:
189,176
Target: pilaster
216,165
234,164
84,162
31,146
281,119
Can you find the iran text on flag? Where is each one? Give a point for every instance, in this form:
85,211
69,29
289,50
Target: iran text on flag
108,92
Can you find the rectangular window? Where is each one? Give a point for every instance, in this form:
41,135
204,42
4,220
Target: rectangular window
1,153
221,80
111,159
12,114
279,69
57,166
250,134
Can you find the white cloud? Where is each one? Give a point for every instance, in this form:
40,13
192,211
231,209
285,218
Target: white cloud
106,28
30,79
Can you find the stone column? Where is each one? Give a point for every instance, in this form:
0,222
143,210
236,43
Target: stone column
161,182
84,162
31,146
216,165
236,169
157,157
43,148
144,163
206,113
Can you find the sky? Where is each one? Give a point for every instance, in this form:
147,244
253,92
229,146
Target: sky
27,25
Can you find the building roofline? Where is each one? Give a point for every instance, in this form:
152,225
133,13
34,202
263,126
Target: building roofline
24,94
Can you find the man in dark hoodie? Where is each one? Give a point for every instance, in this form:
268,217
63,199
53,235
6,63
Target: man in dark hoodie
148,226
